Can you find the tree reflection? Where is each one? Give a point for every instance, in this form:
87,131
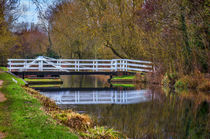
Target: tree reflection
166,117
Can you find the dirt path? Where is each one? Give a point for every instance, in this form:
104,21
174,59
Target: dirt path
2,135
2,97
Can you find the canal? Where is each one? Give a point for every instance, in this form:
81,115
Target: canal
138,112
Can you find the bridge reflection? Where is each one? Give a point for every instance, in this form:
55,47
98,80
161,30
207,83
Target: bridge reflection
100,97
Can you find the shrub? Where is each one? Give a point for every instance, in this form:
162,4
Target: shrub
204,86
169,79
186,82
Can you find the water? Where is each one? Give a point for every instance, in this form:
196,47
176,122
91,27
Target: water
139,113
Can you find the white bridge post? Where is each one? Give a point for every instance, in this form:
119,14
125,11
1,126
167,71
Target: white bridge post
116,65
41,65
10,62
78,66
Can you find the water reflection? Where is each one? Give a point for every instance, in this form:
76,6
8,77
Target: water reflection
142,113
83,81
100,97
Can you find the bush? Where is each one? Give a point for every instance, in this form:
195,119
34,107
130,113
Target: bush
186,82
180,84
204,86
193,81
169,79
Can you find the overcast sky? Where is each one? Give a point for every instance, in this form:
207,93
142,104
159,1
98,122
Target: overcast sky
30,13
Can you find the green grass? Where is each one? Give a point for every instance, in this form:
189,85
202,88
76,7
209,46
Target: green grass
46,85
124,77
21,115
3,68
41,80
124,85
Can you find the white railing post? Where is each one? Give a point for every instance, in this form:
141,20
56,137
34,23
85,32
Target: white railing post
24,66
120,65
78,65
123,65
41,65
126,65
96,65
10,65
58,62
93,67
75,65
116,65
111,65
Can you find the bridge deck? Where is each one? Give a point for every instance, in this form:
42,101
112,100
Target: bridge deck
69,73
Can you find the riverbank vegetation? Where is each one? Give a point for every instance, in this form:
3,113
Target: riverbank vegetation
195,81
30,114
21,116
173,34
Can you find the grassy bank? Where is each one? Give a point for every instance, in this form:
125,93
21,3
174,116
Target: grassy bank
124,85
42,80
3,68
46,85
124,77
137,78
22,115
28,114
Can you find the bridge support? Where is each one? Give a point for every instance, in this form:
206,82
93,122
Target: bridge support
23,75
110,78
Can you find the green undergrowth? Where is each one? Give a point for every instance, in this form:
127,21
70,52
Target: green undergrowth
3,68
21,116
124,85
124,77
42,80
194,81
46,85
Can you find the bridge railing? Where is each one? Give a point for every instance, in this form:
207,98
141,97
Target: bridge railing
70,65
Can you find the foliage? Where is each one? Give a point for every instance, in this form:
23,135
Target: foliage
204,86
172,34
102,133
169,79
195,81
31,42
